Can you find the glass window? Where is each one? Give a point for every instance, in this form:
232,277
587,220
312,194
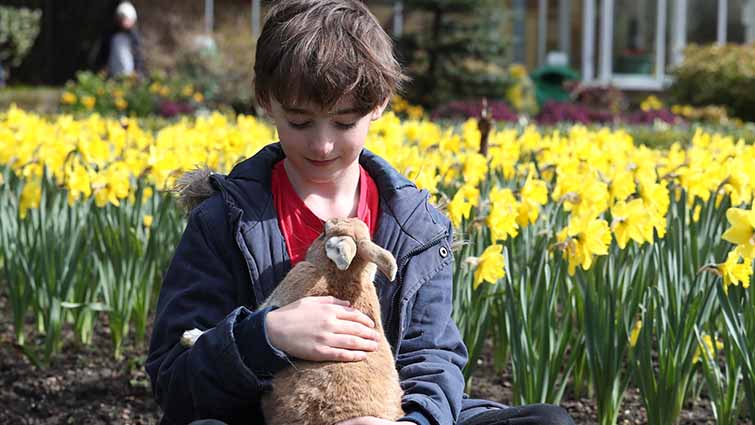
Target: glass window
634,36
702,21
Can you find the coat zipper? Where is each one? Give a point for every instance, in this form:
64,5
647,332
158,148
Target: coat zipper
402,263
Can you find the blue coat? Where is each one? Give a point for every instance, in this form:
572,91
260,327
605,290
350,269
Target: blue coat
232,255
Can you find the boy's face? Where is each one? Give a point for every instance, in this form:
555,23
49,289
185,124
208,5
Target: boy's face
321,145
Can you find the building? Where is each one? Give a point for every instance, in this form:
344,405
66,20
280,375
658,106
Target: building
631,44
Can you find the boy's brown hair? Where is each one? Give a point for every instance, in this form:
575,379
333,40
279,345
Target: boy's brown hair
320,50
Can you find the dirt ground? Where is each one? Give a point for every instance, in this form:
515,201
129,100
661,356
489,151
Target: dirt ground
85,385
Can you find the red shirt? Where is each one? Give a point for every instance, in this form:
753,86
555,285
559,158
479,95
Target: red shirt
300,226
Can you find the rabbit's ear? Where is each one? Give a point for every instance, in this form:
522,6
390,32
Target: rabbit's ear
341,250
369,251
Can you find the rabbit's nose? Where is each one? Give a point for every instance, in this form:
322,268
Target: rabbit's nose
341,250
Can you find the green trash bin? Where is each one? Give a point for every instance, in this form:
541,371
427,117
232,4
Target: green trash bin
549,82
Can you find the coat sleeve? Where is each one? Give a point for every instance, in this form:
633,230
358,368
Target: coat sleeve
432,354
224,373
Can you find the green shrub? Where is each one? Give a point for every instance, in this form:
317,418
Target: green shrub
18,30
718,75
157,94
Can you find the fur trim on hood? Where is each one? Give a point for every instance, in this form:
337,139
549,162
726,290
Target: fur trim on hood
193,187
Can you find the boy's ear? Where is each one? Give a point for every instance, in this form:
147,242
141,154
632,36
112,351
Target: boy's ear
378,112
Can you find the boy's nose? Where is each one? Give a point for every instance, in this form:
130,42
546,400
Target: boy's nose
321,147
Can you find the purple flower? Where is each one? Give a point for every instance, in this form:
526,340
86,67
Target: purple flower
555,112
472,108
169,108
649,117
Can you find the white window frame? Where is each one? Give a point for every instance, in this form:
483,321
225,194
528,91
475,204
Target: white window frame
660,79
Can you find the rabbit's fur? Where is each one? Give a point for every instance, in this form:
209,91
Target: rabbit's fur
342,263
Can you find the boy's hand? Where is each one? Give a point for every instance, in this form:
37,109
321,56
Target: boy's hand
322,329
371,420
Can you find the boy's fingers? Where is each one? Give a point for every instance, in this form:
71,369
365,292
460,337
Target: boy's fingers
357,329
350,342
329,300
347,355
326,353
355,316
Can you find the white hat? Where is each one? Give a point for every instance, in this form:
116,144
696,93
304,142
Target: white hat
126,10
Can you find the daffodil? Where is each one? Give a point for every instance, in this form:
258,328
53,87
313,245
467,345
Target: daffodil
583,238
120,103
651,103
147,193
68,98
78,183
535,190
187,90
461,204
635,333
31,195
736,270
710,348
501,219
475,168
88,102
415,112
622,186
742,230
490,266
630,221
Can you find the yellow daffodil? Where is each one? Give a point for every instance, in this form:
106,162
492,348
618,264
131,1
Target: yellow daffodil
651,103
742,230
187,90
501,219
630,221
635,334
31,195
78,183
147,193
461,204
415,112
710,348
475,168
622,186
582,239
736,270
68,98
120,103
490,266
88,102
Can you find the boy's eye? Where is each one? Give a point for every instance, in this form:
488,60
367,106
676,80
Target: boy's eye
346,126
304,124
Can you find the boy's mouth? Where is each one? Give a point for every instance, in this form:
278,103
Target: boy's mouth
321,163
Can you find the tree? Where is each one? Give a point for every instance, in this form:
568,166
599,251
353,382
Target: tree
462,55
19,28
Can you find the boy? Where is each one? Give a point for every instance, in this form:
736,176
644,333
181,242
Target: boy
324,70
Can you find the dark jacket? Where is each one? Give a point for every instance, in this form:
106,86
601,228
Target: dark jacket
231,257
